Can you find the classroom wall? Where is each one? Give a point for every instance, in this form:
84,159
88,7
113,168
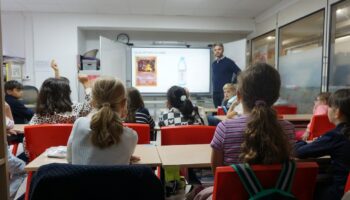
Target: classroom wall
236,51
55,35
13,26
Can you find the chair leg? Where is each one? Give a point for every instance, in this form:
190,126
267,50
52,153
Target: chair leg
28,185
14,149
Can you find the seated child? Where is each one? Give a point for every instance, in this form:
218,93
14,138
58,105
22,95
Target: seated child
21,114
229,96
137,113
54,104
335,143
320,108
15,165
100,138
181,110
241,140
230,104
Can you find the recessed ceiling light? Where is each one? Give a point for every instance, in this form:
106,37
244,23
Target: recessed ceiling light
339,11
270,38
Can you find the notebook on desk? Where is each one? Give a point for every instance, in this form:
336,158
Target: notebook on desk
56,152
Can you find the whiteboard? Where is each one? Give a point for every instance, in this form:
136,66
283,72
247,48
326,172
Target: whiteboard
155,70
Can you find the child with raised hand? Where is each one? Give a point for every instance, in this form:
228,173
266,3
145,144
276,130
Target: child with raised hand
257,136
137,113
320,108
335,143
54,104
181,110
100,138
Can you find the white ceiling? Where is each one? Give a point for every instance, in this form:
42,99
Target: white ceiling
211,8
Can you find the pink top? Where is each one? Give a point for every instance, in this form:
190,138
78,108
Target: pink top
228,137
321,109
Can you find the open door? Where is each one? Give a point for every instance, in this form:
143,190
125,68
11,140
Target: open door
236,51
113,58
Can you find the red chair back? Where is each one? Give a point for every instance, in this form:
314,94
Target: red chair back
40,137
320,124
228,186
220,111
191,134
285,109
143,131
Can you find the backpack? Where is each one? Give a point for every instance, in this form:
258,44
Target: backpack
282,190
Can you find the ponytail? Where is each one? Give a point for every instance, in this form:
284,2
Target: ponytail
106,127
186,109
178,98
264,139
108,96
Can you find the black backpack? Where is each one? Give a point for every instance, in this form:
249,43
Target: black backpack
282,190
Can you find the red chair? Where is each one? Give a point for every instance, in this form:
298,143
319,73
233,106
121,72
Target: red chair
143,131
220,111
319,125
188,134
40,137
191,134
228,186
285,109
347,186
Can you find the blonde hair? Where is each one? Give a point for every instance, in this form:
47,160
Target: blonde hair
230,86
106,125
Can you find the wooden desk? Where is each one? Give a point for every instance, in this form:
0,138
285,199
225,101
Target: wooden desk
193,156
210,110
196,155
291,118
298,117
20,127
147,153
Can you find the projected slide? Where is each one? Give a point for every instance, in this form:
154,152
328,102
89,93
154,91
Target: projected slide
155,70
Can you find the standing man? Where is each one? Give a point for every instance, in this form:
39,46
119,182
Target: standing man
224,71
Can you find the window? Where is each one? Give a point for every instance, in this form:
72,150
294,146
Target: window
263,48
300,60
339,62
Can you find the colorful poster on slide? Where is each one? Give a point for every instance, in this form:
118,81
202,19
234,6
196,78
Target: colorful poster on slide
146,70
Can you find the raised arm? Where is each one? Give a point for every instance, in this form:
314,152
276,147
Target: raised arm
55,68
84,80
231,113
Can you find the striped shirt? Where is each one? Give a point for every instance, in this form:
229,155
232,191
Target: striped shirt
228,137
142,116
